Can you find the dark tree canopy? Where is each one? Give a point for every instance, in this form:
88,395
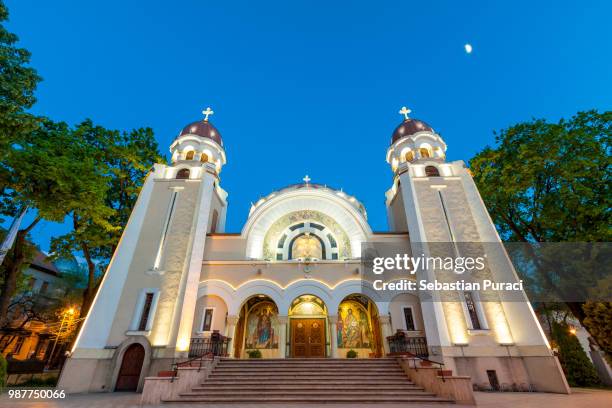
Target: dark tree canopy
550,182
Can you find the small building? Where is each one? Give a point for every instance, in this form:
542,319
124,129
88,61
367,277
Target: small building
25,338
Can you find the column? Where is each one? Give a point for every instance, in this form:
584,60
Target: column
282,335
230,331
333,335
385,331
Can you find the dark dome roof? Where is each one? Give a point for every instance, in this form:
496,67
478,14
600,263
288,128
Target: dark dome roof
409,127
202,128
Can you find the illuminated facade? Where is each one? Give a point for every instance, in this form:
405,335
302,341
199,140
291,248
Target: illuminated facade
289,284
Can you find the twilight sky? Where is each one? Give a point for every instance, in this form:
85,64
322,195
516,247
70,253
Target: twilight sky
313,87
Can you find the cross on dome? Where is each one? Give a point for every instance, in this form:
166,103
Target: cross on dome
207,113
405,111
306,179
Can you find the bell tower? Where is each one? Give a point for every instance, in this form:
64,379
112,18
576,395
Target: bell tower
149,292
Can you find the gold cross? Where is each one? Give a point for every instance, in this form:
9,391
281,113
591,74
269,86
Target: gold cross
207,113
405,111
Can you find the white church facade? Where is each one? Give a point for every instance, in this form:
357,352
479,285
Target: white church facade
289,285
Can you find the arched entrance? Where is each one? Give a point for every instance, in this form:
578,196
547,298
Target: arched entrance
358,327
308,323
258,328
131,366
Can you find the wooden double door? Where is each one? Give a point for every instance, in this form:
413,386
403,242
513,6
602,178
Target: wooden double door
308,337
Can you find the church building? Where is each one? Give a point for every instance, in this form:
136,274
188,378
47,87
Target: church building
290,283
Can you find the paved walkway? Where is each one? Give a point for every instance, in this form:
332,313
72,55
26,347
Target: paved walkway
580,398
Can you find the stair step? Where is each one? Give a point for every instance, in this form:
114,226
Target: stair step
309,382
338,371
312,398
306,393
289,387
214,376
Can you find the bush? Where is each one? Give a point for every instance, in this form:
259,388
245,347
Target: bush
39,382
577,367
3,365
254,353
351,354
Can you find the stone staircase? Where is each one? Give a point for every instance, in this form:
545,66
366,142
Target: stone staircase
288,381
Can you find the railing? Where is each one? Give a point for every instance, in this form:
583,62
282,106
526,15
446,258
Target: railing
400,343
416,349
204,348
215,345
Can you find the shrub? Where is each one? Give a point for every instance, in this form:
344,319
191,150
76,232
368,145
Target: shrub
254,353
351,354
578,369
3,365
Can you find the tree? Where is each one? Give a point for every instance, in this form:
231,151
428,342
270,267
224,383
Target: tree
127,157
598,322
17,85
52,171
578,369
550,182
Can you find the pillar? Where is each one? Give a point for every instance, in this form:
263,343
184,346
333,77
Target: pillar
385,330
333,335
230,331
282,335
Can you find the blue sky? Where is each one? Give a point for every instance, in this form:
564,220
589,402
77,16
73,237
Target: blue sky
313,87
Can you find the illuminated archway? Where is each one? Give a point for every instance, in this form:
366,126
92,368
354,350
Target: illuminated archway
258,328
358,327
308,334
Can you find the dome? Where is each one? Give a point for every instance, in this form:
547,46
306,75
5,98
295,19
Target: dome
202,128
409,127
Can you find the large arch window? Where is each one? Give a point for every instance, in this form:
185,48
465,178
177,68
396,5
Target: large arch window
307,241
424,152
189,155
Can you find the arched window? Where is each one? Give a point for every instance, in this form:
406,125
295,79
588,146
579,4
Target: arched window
409,156
432,171
204,158
424,153
307,246
182,174
189,155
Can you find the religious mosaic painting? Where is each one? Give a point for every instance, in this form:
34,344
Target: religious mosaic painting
262,327
354,329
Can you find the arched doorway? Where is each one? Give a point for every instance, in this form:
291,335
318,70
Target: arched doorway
257,328
358,327
308,323
131,366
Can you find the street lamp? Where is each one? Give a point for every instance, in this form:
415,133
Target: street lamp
67,314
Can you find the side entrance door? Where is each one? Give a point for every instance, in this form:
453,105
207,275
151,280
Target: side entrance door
129,373
307,338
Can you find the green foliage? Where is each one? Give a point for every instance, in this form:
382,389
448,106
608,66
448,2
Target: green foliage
548,182
351,354
254,353
50,381
598,322
579,371
3,365
124,159
17,85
